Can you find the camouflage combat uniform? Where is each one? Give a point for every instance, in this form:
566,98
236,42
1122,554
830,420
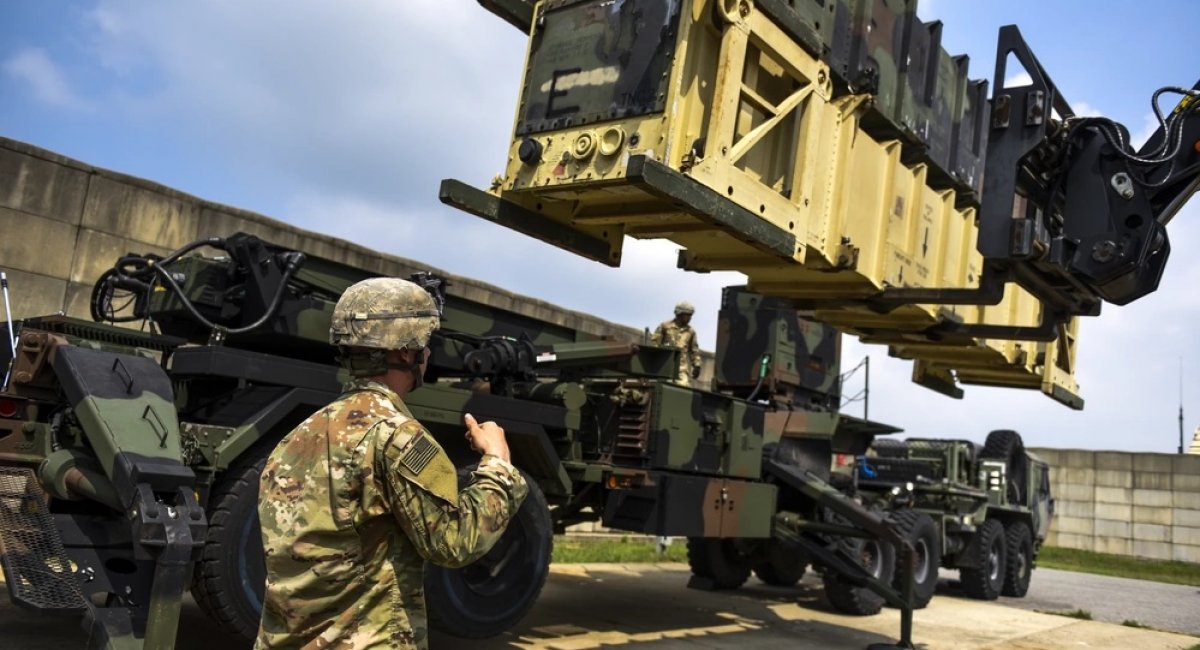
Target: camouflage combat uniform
352,503
672,334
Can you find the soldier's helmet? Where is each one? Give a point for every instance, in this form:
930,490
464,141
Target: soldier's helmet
385,314
684,307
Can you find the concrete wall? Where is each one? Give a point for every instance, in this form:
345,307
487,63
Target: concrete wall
1141,504
63,222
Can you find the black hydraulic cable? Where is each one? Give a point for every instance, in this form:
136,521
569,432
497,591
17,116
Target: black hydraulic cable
294,262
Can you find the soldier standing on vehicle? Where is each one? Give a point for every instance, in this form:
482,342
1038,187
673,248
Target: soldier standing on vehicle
355,499
677,333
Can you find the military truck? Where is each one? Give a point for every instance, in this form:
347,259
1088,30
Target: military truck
982,509
941,494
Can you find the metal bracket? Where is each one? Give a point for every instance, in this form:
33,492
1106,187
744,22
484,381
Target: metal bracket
458,194
127,379
156,424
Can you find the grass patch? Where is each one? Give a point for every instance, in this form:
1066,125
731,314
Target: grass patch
623,550
1081,614
1129,622
1121,566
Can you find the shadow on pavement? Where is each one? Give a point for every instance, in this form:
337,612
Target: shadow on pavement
654,609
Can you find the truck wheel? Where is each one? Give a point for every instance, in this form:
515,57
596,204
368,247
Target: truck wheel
231,575
879,560
889,448
985,581
719,560
492,594
783,566
1006,445
920,529
1019,568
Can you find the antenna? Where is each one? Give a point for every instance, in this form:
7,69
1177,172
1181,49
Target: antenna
1180,405
12,341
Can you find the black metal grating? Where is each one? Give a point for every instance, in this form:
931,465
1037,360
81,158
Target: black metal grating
103,333
633,432
36,568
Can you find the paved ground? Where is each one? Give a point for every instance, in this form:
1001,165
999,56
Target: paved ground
1115,600
590,606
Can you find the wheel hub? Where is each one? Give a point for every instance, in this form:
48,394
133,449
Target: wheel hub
994,563
921,569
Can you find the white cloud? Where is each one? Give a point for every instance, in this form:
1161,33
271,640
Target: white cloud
1020,78
44,79
379,101
1084,109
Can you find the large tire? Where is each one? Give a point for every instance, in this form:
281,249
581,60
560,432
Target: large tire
879,559
920,529
987,578
719,560
494,593
231,575
1019,566
1006,445
781,565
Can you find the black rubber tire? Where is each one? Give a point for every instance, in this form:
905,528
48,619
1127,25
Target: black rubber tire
781,565
472,603
847,598
920,529
889,448
719,560
1019,566
229,579
989,546
1006,445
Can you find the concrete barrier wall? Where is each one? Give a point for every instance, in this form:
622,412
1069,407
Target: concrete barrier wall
63,222
1140,504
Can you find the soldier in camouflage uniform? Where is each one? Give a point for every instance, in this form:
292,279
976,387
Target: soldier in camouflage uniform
677,333
360,495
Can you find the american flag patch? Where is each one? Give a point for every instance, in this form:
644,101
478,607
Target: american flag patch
419,454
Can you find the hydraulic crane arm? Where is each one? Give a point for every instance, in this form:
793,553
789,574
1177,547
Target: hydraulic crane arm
1071,197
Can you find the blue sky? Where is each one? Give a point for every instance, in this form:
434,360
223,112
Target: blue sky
343,117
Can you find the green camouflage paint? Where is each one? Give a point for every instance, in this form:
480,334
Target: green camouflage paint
803,355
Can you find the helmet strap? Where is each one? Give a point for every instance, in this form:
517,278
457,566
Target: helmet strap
371,362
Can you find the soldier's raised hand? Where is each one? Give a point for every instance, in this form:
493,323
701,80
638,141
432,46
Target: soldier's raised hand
486,438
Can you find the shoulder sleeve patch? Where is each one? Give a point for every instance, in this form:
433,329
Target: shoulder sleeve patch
411,455
419,454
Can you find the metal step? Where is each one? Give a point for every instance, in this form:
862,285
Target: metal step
37,570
